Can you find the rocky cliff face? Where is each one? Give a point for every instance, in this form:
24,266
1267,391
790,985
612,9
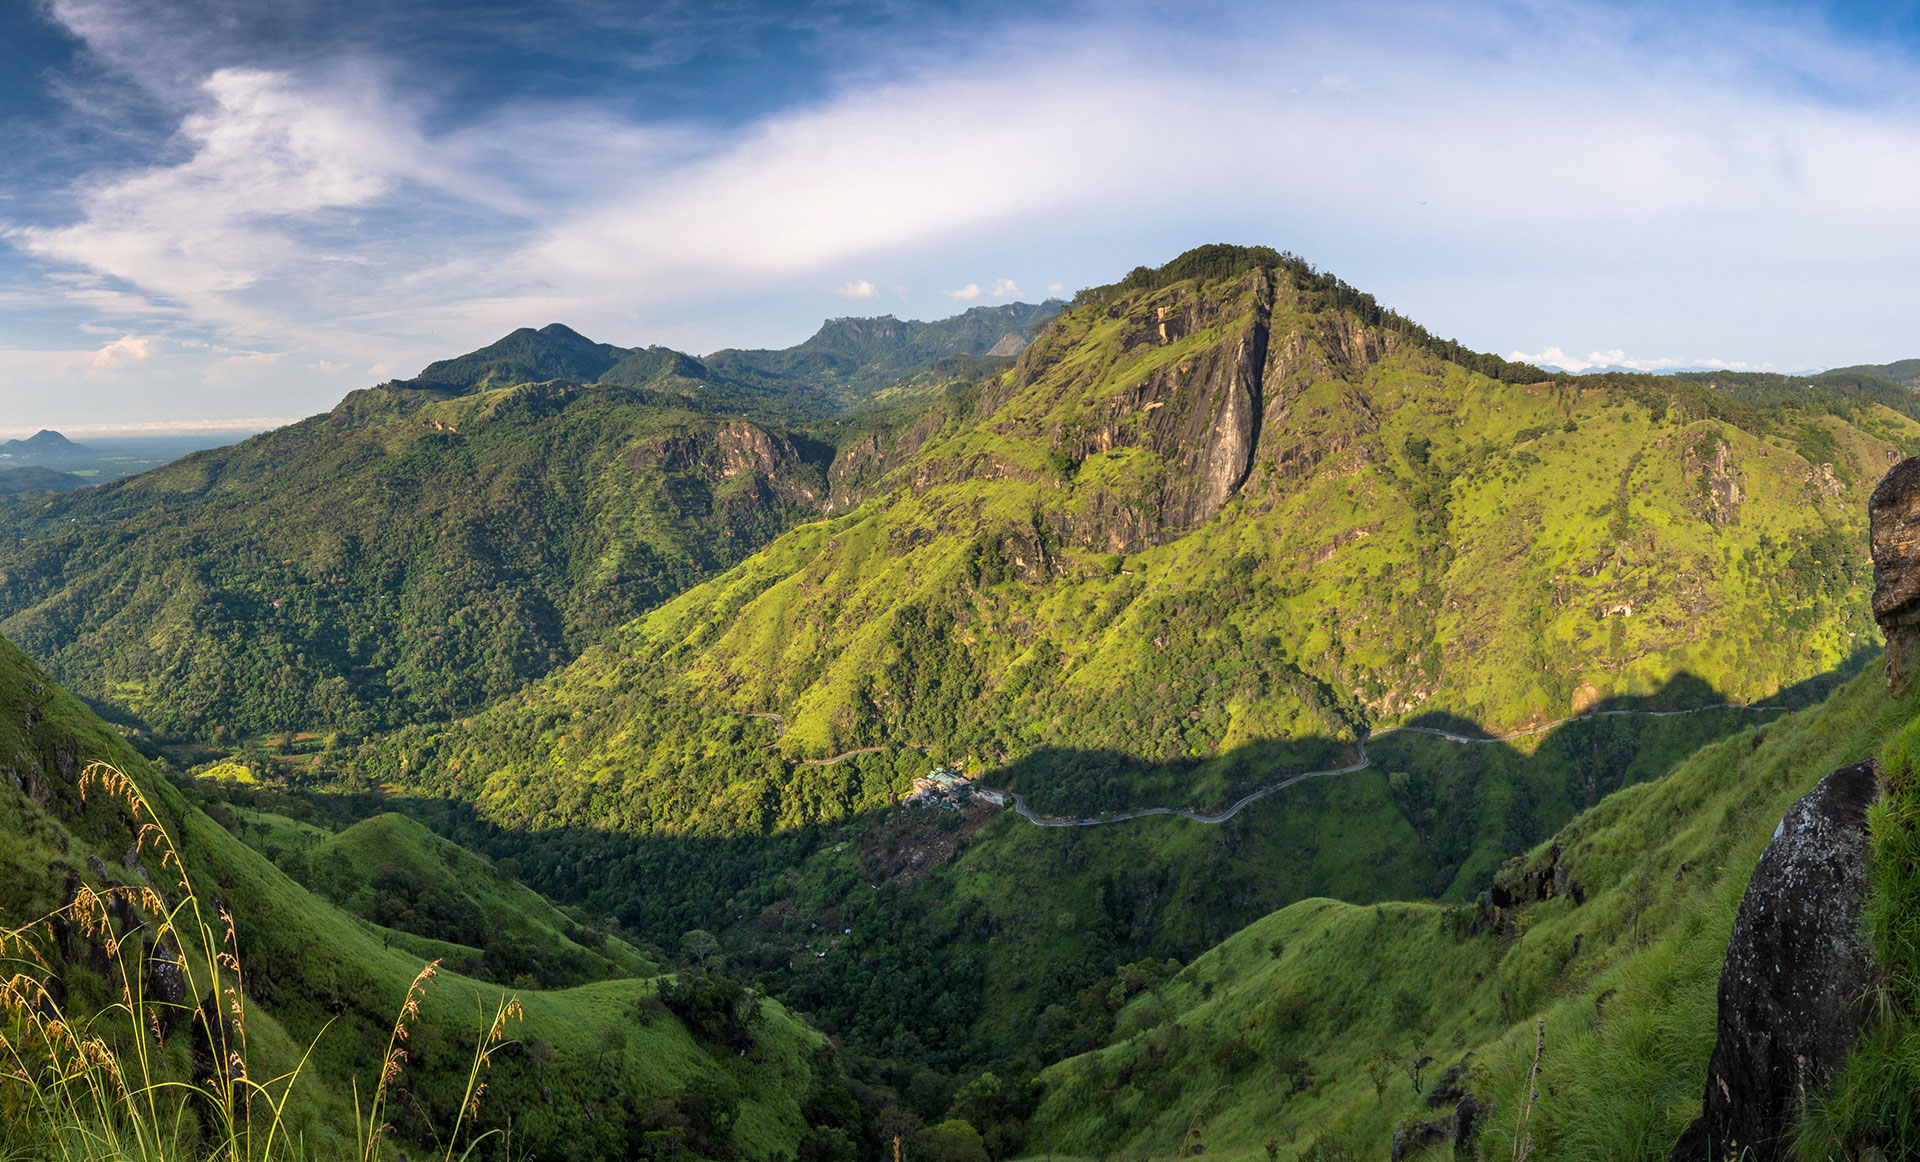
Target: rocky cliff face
1188,363
736,451
1793,992
1894,511
1792,995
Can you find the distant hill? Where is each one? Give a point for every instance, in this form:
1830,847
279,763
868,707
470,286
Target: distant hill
17,481
854,357
849,362
1903,371
43,447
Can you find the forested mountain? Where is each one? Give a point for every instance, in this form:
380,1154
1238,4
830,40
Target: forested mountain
430,545
1217,522
18,482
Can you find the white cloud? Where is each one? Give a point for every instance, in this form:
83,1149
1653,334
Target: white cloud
859,288
1555,357
965,294
122,351
1056,289
1004,288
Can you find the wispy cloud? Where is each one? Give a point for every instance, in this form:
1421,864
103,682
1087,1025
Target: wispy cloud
1600,176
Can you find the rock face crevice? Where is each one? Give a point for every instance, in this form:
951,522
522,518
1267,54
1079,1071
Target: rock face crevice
1793,992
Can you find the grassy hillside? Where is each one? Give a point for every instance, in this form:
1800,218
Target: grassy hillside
1312,1015
594,1071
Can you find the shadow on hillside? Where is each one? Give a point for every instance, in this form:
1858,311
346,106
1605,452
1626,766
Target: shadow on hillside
844,920
1683,692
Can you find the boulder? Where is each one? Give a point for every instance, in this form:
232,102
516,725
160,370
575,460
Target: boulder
1792,996
1893,512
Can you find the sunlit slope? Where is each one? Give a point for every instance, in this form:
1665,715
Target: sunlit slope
1624,971
1146,539
598,1062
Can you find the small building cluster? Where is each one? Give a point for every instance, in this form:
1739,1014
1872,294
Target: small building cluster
947,787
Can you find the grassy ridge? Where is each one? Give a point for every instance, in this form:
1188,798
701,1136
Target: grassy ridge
1346,995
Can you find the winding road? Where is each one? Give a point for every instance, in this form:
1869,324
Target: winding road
1019,803
1039,820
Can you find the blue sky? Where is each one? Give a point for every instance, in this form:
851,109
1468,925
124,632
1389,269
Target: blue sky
223,211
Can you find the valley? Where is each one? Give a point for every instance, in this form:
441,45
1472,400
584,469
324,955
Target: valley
1365,710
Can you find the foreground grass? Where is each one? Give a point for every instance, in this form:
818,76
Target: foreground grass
595,1070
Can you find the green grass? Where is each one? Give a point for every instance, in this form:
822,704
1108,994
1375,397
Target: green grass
1625,982
594,1065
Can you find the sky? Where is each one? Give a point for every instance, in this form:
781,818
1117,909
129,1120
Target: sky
223,213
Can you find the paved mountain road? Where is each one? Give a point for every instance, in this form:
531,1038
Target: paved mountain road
1038,820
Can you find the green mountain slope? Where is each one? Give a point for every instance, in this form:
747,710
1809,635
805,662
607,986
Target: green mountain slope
1311,1015
1216,522
596,1070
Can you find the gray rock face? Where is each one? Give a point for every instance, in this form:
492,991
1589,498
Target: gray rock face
1894,514
1792,995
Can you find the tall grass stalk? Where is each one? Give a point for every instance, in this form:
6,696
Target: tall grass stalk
80,1087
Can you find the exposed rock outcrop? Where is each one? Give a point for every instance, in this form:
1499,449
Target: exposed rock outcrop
1894,514
1792,994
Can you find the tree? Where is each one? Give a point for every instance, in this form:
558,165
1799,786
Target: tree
701,945
954,1140
1380,1070
1416,1068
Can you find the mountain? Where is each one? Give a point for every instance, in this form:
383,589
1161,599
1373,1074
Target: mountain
676,1063
1218,523
554,351
399,557
43,447
432,544
857,357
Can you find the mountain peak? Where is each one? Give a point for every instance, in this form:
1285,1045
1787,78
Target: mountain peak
45,444
555,351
